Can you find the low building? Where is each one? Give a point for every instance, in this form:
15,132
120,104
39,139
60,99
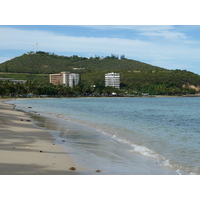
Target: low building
65,78
112,80
19,81
13,80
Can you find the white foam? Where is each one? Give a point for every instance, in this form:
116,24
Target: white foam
144,151
149,153
137,148
192,173
166,163
121,140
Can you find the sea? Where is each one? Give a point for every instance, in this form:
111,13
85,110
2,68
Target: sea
144,135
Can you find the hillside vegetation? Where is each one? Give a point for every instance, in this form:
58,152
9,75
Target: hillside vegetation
46,63
135,77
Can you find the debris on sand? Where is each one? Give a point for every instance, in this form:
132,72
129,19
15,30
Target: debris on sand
72,168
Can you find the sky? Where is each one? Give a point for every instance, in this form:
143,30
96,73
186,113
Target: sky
167,46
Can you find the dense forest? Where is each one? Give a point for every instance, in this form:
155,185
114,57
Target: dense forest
136,78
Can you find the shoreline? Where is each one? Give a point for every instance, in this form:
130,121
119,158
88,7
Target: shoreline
84,164
96,151
5,99
95,161
30,150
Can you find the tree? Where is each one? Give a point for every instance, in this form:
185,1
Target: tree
122,57
109,90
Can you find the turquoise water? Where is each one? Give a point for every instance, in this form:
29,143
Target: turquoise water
166,130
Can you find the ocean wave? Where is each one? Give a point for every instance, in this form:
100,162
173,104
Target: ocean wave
161,160
137,148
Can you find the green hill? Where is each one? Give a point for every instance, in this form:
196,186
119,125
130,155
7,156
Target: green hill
46,63
135,76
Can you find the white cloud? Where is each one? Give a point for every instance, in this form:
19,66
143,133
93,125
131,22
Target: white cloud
132,27
23,39
166,34
166,31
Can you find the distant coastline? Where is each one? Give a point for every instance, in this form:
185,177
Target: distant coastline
4,99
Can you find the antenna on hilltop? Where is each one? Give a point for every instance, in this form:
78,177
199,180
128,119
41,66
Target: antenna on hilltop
32,47
36,47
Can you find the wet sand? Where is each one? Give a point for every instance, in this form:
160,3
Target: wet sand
29,150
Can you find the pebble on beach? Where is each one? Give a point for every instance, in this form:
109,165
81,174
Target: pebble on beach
72,168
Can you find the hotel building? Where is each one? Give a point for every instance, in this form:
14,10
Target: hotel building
64,78
112,79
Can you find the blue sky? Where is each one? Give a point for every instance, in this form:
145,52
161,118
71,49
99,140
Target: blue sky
168,46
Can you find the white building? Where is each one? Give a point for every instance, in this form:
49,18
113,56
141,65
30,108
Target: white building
73,79
112,79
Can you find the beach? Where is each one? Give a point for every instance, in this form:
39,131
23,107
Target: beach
87,147
29,150
100,136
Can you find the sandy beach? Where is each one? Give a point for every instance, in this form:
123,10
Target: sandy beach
29,150
32,142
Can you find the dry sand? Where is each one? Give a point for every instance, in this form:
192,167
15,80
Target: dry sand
28,150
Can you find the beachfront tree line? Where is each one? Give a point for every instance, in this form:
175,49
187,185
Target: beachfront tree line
10,89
